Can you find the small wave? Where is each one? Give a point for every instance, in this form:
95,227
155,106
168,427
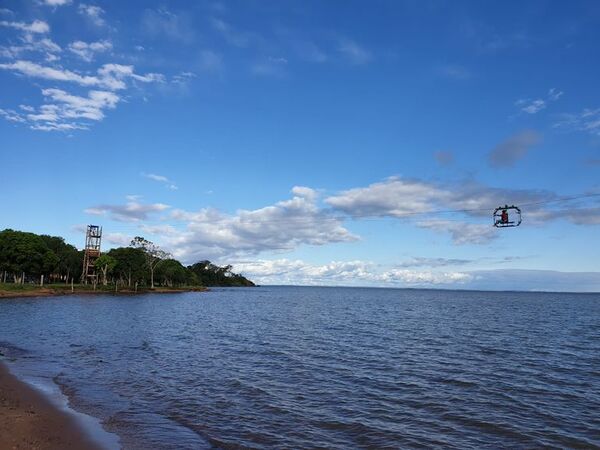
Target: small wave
456,382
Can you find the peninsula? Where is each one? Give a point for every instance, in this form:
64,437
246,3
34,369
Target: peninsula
43,265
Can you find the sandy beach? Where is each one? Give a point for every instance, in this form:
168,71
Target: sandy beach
29,421
54,291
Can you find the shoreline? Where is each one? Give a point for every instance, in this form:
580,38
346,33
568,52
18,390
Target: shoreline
53,291
30,420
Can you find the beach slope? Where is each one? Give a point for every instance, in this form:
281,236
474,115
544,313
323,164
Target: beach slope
30,421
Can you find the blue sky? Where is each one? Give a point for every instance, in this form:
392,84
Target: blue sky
312,142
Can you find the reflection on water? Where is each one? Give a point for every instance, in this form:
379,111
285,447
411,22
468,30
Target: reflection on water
290,367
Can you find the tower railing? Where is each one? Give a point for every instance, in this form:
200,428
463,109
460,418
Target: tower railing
93,239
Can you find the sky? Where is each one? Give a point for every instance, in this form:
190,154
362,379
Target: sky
310,142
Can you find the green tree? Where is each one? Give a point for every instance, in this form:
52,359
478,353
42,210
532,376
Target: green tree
69,258
153,253
106,264
22,252
36,255
172,273
209,274
130,264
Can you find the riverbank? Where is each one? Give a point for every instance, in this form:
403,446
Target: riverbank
29,421
9,290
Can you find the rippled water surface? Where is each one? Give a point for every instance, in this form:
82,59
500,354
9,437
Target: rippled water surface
286,367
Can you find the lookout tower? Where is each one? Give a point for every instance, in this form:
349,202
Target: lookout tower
93,236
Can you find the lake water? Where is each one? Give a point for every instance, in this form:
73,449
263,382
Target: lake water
292,367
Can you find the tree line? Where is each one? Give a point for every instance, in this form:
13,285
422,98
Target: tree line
27,256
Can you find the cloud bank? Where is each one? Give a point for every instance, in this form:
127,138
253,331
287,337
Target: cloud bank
369,274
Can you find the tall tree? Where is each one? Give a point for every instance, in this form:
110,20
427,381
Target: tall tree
106,264
153,253
130,264
69,258
171,272
27,253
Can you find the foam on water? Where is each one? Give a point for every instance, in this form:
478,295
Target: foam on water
38,380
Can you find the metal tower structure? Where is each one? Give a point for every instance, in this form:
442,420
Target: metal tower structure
93,237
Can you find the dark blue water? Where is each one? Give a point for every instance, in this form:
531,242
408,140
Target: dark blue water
287,367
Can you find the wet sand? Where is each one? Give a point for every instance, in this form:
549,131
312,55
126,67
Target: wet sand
30,421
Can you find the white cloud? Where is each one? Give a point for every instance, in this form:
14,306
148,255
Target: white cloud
120,239
183,78
408,199
32,69
93,13
37,26
420,261
462,232
554,94
305,192
533,106
424,278
56,2
163,230
349,273
109,76
364,273
12,116
47,45
64,110
354,52
89,107
161,179
132,211
51,57
465,209
60,115
587,120
283,226
114,74
461,209
86,51
157,177
394,197
51,126
582,216
31,44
